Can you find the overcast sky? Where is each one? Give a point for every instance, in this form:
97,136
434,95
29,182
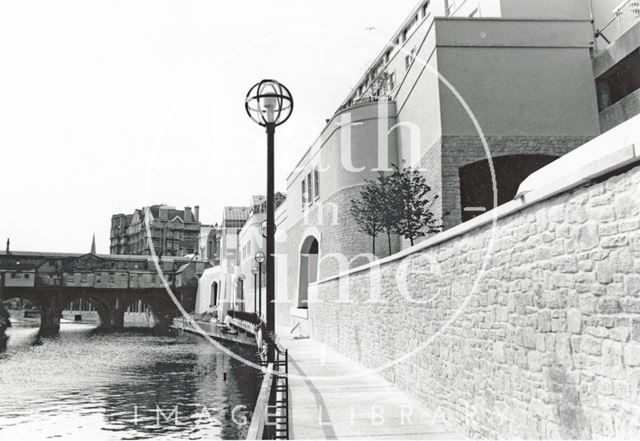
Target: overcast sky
113,105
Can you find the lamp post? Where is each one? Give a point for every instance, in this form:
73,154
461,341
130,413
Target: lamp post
260,257
254,270
269,104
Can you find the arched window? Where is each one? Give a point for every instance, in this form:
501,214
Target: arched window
308,269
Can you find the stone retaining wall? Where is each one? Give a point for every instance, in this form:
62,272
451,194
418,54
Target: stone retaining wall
544,341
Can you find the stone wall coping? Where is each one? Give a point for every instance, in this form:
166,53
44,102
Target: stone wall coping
604,154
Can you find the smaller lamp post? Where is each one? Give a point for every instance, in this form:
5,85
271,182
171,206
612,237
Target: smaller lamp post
260,258
255,270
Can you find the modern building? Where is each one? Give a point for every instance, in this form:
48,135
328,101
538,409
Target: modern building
459,82
174,232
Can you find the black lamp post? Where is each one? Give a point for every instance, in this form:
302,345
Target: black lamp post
269,104
260,257
255,270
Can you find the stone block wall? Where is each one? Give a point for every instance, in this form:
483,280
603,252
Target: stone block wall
530,329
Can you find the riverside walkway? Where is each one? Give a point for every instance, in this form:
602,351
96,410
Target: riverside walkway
345,406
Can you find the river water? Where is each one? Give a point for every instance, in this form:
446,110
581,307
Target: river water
129,385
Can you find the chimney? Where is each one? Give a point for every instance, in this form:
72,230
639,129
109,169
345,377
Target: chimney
163,212
8,245
188,215
196,213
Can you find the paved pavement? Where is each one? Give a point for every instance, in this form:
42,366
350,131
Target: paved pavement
352,408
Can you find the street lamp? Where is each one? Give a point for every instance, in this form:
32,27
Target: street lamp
255,270
260,257
269,104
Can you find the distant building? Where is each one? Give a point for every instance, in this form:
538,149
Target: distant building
174,232
230,283
209,244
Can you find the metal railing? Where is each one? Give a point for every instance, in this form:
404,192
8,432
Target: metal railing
625,15
250,317
364,100
271,414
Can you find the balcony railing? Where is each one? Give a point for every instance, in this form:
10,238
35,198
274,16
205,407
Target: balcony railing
625,15
365,100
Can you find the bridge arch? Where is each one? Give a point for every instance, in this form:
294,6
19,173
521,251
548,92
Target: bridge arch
102,308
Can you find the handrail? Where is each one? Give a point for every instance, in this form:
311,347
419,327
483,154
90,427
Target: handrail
624,16
261,410
617,9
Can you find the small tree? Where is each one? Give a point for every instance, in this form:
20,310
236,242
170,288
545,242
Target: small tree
396,203
412,204
386,204
366,212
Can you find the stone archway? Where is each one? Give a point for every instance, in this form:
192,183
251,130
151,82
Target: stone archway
476,185
102,308
308,269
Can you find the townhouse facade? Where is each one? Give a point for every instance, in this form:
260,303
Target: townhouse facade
174,232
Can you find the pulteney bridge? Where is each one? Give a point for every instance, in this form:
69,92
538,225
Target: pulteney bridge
110,282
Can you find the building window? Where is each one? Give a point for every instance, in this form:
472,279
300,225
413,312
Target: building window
309,189
26,276
425,8
316,182
392,81
304,193
619,81
408,60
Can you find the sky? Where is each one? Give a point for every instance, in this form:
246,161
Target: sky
108,106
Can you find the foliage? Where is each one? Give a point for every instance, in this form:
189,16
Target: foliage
398,203
412,204
365,212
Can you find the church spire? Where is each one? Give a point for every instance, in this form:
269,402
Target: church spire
93,244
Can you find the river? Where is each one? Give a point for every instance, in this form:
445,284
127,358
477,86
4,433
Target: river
88,385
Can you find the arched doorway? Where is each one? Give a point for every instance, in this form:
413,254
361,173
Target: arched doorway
214,294
239,306
308,269
476,186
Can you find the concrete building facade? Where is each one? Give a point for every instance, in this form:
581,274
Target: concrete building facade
458,83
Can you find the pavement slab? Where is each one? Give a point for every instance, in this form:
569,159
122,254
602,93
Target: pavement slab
352,402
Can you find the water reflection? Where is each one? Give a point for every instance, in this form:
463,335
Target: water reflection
130,385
